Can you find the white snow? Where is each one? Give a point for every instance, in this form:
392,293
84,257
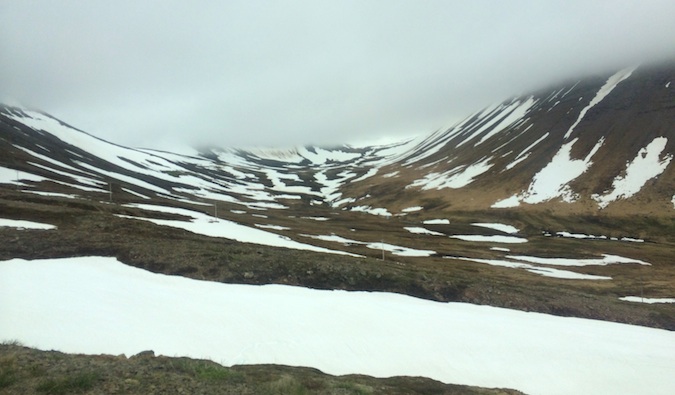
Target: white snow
436,222
457,177
585,236
321,219
273,227
496,226
509,202
640,299
526,152
646,165
605,90
543,271
12,176
136,193
52,194
370,173
59,303
21,224
605,260
491,238
499,113
394,249
551,181
374,211
209,226
422,231
509,120
412,209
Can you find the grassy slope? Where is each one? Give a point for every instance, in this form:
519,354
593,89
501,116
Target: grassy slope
28,371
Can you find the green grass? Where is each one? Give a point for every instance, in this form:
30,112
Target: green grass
355,388
206,371
286,385
8,371
76,383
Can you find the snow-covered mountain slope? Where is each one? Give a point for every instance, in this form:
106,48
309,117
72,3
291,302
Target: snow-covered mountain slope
603,143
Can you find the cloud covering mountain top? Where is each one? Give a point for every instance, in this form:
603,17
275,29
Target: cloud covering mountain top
244,73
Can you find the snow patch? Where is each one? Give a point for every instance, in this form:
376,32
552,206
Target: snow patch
58,303
491,238
394,249
422,231
542,271
209,226
552,180
605,90
645,166
605,260
640,299
374,211
436,222
500,227
509,202
457,177
21,224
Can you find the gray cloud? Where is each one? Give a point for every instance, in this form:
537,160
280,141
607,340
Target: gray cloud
158,73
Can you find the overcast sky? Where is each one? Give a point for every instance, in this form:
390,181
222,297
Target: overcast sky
284,73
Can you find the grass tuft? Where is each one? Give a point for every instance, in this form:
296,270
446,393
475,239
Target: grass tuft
355,388
8,371
286,385
206,371
79,382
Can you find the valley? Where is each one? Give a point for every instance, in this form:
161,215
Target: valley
558,203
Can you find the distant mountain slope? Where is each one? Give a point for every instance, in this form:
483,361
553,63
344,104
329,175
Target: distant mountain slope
603,143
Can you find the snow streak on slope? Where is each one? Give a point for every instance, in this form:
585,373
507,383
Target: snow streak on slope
552,181
457,177
515,115
646,165
605,90
209,226
59,303
21,224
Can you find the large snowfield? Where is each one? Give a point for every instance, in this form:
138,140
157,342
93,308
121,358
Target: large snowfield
98,305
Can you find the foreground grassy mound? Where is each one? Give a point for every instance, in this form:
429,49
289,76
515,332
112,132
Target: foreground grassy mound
28,371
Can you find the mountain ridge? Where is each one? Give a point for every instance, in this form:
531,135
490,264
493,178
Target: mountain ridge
594,128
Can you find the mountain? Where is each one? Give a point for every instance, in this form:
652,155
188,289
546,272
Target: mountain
560,201
600,144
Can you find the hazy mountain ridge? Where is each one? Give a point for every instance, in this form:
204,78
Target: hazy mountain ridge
499,157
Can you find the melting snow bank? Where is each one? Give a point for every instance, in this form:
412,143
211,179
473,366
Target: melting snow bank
647,300
526,262
20,224
203,224
394,249
593,237
648,163
543,271
97,305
